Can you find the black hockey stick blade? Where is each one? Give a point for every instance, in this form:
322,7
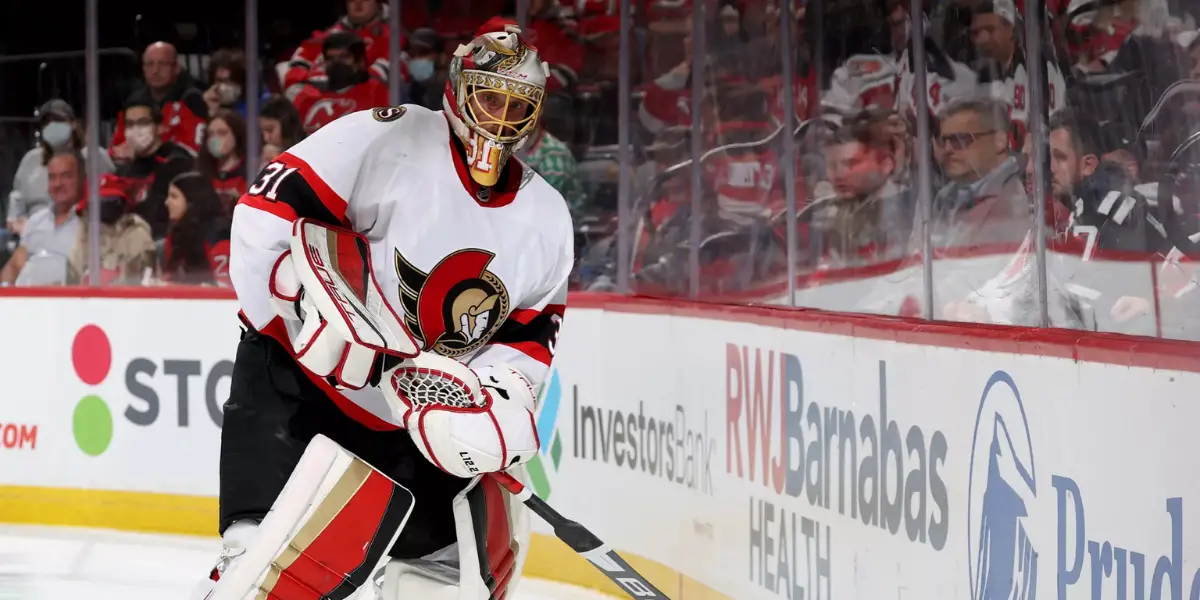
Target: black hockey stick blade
584,542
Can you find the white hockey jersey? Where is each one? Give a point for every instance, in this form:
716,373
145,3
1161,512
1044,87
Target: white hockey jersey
1013,88
882,80
478,274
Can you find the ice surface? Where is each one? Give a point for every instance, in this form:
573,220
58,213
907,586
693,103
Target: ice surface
44,563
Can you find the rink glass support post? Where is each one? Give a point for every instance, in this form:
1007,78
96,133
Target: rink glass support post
92,110
1039,101
916,38
624,154
697,147
523,14
395,59
253,79
787,80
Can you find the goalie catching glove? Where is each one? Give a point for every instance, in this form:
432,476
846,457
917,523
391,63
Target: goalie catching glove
348,330
466,421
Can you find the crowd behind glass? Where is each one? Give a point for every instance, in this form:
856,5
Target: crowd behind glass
839,154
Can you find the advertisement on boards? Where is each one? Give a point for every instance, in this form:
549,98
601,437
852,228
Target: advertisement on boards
770,463
120,394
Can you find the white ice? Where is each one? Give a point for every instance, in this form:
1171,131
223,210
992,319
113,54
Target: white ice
52,563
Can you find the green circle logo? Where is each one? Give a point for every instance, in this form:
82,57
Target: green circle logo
93,425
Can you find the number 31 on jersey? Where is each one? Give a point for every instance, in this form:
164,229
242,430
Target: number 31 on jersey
268,182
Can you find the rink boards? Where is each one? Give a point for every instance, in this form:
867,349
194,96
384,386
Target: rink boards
731,452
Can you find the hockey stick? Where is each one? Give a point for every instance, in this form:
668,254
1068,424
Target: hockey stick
584,542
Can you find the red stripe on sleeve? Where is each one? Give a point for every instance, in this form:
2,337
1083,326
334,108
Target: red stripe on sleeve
533,350
334,202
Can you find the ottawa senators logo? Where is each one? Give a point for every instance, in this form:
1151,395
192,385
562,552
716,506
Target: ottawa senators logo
457,306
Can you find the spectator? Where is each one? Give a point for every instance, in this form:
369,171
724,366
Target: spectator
59,133
871,218
171,91
553,34
427,61
365,19
154,162
227,78
279,125
551,158
348,87
983,201
197,244
1001,64
1073,158
51,229
127,252
223,159
667,100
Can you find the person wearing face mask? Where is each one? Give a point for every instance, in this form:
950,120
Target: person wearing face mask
346,87
366,19
167,87
127,250
152,165
58,132
223,157
426,67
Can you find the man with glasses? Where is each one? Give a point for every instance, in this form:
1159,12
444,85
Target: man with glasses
170,89
984,199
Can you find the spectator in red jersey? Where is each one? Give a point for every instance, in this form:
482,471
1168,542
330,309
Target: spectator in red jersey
667,100
349,87
367,20
223,159
554,39
279,124
196,251
172,92
459,19
153,164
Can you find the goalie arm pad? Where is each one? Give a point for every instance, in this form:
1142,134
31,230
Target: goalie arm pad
335,515
465,421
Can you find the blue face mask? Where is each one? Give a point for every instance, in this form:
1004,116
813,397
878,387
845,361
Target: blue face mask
421,69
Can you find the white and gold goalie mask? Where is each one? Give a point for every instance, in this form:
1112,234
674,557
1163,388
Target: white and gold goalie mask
494,98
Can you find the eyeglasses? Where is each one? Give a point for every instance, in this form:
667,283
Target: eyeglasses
961,141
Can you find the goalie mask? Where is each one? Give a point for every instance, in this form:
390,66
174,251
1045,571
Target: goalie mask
493,99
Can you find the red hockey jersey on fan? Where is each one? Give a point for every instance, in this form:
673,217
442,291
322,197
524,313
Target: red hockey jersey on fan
308,58
318,108
477,274
184,116
230,185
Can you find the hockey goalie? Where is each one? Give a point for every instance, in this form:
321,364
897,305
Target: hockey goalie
401,278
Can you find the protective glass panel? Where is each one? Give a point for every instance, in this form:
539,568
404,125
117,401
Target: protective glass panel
1122,163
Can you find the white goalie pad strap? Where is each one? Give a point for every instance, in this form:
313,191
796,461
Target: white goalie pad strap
493,541
327,533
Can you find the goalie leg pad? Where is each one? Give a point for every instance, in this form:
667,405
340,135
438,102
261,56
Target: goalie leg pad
327,532
493,541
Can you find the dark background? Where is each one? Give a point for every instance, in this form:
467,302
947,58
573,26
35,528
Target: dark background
46,26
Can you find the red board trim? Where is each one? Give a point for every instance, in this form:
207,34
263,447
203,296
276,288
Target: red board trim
1106,348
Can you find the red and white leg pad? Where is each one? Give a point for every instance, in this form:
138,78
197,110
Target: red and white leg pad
327,533
493,541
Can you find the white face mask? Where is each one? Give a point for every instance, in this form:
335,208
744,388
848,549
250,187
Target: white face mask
140,137
56,134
